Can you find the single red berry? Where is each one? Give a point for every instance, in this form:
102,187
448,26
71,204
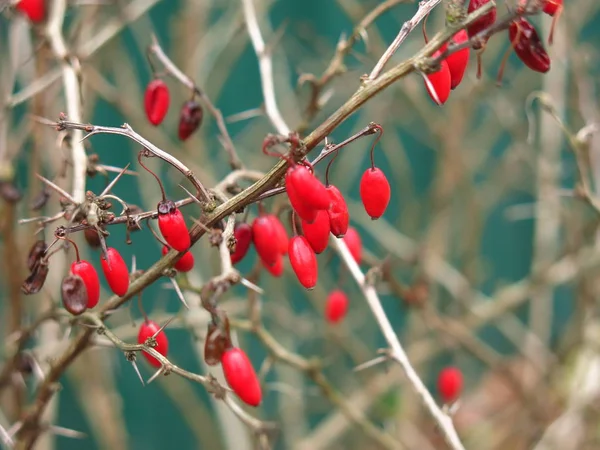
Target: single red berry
458,62
354,243
303,261
281,234
375,192
317,233
34,9
484,22
264,236
115,271
528,45
241,377
156,101
336,306
439,83
190,119
552,6
450,383
90,278
147,330
277,268
313,192
304,211
338,212
243,238
172,226
185,263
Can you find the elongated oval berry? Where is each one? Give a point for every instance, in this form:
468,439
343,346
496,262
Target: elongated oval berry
243,237
115,271
304,211
34,9
172,226
375,192
90,278
264,236
552,6
277,268
185,263
303,261
458,62
190,119
440,82
528,45
336,306
147,330
450,383
317,233
241,377
484,22
354,243
280,234
313,192
74,294
339,219
156,101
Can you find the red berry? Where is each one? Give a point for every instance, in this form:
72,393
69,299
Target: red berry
277,268
243,237
313,192
317,233
440,83
304,261
147,330
375,192
528,46
264,235
280,234
241,377
90,278
338,212
336,306
450,382
304,211
156,101
189,119
480,24
354,243
34,9
172,226
115,271
552,6
185,263
457,62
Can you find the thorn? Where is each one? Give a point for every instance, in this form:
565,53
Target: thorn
66,432
133,264
371,363
114,181
191,195
163,327
179,293
158,373
57,188
137,370
251,286
6,438
117,169
365,37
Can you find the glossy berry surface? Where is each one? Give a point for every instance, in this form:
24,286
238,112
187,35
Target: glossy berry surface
458,62
280,234
185,263
303,261
241,377
339,218
304,211
528,45
440,82
243,237
190,119
173,228
450,383
90,278
156,101
264,236
115,271
317,233
276,269
375,192
147,330
485,22
551,7
336,306
354,243
313,192
34,9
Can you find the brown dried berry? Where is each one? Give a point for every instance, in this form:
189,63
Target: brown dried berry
92,237
74,294
40,200
36,279
217,341
36,253
9,192
190,119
